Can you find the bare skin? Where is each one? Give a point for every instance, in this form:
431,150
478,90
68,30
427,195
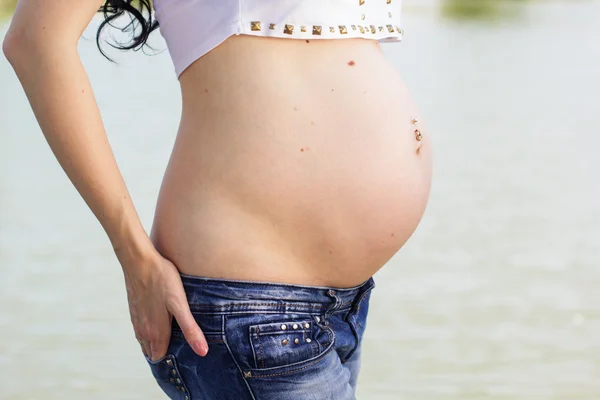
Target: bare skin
296,161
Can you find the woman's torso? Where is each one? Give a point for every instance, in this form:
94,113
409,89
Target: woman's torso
295,162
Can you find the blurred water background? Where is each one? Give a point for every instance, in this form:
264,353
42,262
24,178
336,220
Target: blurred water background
497,295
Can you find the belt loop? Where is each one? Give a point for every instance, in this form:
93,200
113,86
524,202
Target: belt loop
336,305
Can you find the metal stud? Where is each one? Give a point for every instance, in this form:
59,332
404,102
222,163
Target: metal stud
331,29
317,29
362,30
308,340
187,398
171,380
318,318
284,342
414,121
307,325
178,380
390,28
173,372
419,136
353,27
247,374
288,29
362,16
303,28
389,14
177,388
296,340
373,29
361,2
295,326
381,29
255,25
283,327
398,29
389,1
169,362
343,30
272,27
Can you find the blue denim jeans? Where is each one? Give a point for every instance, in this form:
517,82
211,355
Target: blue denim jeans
267,342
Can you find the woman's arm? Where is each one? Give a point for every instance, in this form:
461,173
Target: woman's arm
41,45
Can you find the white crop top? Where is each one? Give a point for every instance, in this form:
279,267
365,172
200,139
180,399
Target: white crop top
192,28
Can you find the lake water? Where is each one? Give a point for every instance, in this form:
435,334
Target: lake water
497,295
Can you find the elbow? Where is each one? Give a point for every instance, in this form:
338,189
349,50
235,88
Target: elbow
15,48
9,46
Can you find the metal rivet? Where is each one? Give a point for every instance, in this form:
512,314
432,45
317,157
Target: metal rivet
296,341
173,372
308,340
284,342
255,25
169,362
187,398
317,29
318,318
283,327
248,374
295,326
288,29
307,325
331,292
182,389
343,30
171,380
178,380
272,27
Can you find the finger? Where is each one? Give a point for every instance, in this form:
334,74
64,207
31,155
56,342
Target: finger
158,348
192,332
145,345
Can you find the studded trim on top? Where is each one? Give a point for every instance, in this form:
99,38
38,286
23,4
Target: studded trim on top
317,30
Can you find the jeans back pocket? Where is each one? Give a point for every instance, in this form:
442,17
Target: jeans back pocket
282,343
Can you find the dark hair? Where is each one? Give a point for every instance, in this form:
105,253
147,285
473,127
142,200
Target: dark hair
141,23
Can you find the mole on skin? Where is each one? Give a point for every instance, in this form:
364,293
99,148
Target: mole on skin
351,63
308,41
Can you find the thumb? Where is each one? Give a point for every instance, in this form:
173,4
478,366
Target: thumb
192,332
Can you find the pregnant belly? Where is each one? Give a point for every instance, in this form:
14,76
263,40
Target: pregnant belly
320,186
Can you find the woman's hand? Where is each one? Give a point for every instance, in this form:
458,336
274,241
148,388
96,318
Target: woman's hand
155,293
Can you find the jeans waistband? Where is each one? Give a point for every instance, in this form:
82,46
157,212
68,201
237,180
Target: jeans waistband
211,295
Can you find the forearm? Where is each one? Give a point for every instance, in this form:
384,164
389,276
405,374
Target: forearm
61,97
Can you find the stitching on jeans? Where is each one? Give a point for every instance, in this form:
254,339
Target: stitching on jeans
289,372
279,305
262,357
234,360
